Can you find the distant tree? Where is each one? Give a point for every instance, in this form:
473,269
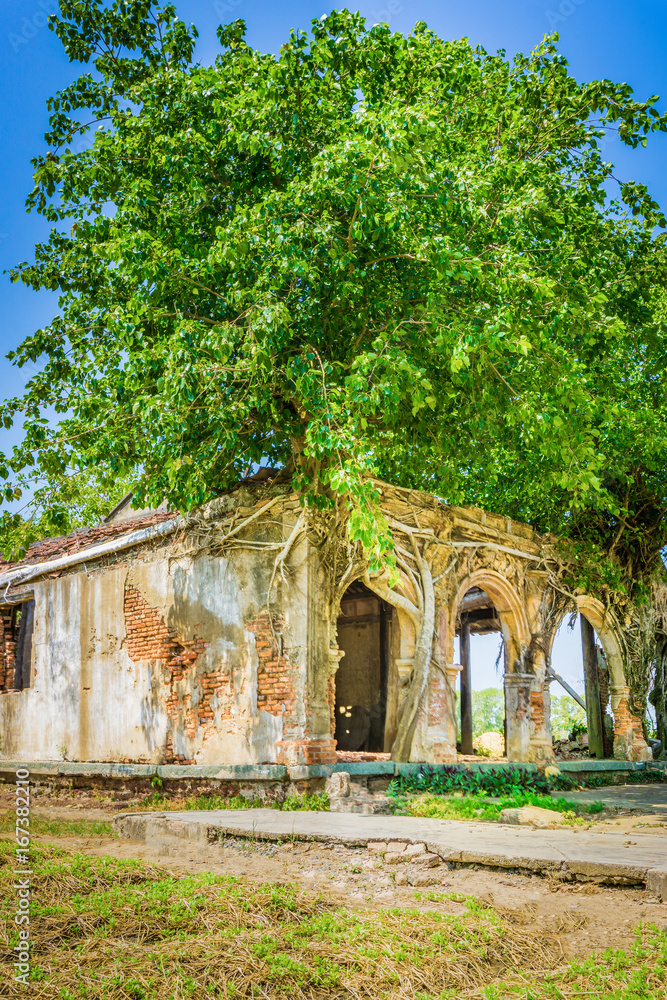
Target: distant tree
488,711
565,713
65,501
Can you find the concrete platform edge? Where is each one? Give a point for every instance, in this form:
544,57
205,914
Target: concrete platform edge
278,772
203,829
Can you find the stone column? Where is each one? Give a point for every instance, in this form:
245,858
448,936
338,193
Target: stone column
517,715
435,737
540,750
593,710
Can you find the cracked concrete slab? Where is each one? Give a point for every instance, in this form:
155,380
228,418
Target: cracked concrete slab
576,854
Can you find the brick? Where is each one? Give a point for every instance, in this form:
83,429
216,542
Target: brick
149,638
274,682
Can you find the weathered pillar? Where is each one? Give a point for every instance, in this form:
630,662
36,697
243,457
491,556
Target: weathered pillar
466,689
517,715
452,670
629,742
307,737
435,734
592,682
541,749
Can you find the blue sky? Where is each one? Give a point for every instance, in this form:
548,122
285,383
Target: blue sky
612,39
566,659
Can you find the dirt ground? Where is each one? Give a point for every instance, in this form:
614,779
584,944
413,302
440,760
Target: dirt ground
580,917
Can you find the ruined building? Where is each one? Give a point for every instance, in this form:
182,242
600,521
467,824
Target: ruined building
247,632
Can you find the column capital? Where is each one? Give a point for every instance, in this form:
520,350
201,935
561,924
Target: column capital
452,670
516,678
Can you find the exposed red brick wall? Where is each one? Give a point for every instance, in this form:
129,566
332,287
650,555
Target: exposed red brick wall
438,698
149,638
275,688
7,648
444,753
274,681
537,709
306,751
624,720
626,725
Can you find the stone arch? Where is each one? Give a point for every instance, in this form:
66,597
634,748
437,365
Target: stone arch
629,743
403,642
400,652
519,678
510,608
608,631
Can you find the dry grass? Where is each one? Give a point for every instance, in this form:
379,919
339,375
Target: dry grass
124,930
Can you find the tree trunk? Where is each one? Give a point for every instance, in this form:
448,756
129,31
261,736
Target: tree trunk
658,697
409,710
466,690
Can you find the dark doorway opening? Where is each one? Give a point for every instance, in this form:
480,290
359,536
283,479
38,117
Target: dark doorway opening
16,628
477,615
364,628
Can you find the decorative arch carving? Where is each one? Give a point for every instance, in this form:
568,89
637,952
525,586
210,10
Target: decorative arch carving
609,633
510,608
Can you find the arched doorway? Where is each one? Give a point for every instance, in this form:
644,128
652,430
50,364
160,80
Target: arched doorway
363,676
477,616
629,742
524,739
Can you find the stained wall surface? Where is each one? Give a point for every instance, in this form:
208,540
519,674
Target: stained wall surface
156,659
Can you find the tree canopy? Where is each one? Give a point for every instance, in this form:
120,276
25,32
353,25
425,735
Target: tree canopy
368,255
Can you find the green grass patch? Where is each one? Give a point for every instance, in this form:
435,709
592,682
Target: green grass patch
43,826
480,808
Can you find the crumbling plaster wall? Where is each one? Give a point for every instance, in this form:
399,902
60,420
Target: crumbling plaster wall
160,659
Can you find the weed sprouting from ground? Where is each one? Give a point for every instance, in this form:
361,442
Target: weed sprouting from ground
119,929
640,973
311,803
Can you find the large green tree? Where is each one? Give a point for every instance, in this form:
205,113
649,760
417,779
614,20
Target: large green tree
370,254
